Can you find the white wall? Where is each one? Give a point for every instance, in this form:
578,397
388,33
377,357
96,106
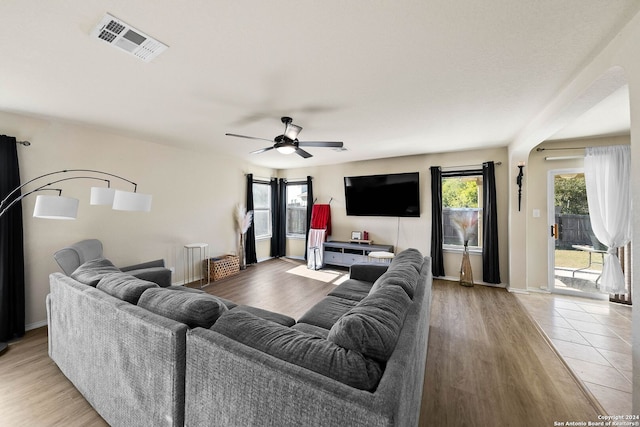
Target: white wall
194,196
405,233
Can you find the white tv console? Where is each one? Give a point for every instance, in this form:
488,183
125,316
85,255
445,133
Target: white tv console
345,253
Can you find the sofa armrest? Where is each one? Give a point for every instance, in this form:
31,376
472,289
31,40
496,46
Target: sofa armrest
153,271
148,264
158,275
367,272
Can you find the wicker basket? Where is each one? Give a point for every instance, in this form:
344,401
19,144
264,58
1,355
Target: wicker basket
222,266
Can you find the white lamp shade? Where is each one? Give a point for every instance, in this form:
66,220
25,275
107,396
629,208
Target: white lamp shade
102,196
128,201
56,207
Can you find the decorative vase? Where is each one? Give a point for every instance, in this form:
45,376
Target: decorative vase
466,275
241,256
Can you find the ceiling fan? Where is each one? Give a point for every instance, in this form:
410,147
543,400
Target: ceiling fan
288,143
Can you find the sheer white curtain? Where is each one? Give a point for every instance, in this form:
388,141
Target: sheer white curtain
607,172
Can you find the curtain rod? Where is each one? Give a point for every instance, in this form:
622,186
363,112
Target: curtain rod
316,199
272,177
468,166
553,149
25,143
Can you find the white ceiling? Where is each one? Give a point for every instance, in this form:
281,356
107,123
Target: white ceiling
387,78
612,116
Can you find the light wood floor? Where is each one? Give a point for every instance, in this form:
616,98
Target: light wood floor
487,364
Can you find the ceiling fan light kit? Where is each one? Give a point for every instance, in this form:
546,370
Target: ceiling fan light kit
291,131
286,147
288,143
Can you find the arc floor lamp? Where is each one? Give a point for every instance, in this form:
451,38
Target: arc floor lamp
61,207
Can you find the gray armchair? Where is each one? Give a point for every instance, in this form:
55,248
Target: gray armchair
75,255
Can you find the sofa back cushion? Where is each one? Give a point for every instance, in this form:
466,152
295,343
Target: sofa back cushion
404,271
409,256
93,270
192,309
372,327
124,286
403,276
302,349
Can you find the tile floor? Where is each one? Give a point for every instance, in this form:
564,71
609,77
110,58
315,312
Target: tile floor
594,338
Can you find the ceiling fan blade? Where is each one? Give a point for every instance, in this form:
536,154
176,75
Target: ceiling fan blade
248,137
262,150
334,144
303,153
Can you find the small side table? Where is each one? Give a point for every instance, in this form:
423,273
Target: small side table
190,250
381,256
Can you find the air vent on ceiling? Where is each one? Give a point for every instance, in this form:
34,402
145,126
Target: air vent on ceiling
123,36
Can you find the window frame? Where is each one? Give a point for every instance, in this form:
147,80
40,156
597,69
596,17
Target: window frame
302,235
454,247
261,209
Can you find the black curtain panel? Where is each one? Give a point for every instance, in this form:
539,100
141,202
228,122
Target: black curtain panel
11,247
437,256
278,217
282,217
250,241
490,255
273,184
309,211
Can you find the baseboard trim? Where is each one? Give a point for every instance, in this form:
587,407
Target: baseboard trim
36,325
457,279
518,291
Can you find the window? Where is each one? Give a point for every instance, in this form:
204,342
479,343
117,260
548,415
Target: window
262,209
462,209
296,210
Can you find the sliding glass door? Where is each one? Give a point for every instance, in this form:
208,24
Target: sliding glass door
575,255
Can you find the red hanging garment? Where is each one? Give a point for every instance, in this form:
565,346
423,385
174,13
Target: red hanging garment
321,217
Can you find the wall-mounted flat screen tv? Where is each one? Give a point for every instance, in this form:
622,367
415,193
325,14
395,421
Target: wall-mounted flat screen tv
383,195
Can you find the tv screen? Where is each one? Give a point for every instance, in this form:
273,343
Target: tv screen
383,195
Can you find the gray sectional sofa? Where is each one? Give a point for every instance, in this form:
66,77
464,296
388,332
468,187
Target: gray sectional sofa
145,355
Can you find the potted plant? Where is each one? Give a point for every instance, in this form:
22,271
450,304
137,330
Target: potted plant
243,222
466,223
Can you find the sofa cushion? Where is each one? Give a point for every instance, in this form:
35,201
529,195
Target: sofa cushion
184,289
327,311
311,330
159,275
230,304
92,271
403,275
352,289
373,326
411,256
367,271
192,309
407,278
124,286
307,351
268,315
